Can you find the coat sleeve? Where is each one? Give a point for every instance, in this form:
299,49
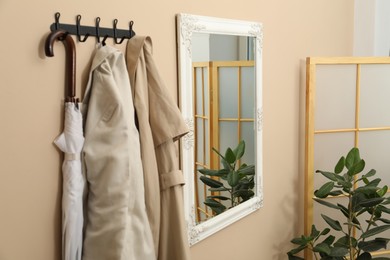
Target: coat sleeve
165,117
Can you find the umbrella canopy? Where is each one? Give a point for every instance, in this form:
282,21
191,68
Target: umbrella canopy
71,143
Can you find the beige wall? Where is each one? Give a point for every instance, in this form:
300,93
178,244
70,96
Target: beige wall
31,111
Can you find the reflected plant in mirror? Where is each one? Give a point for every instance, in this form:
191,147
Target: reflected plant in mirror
231,185
220,87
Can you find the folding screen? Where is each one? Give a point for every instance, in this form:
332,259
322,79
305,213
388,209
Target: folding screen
347,105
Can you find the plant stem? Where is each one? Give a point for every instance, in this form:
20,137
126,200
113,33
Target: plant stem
350,218
368,226
311,248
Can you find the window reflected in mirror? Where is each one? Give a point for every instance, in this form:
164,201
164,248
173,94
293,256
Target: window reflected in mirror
224,115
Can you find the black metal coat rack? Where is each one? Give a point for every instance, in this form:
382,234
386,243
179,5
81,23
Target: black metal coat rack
77,29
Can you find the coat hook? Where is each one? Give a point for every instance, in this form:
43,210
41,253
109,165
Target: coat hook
115,38
131,28
98,29
57,20
104,39
78,18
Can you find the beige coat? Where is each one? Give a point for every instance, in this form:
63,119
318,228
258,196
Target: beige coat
117,227
160,123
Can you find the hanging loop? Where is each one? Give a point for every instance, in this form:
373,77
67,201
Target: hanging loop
70,51
131,23
78,19
98,29
115,34
57,20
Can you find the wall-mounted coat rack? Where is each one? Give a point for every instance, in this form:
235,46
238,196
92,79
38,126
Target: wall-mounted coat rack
77,29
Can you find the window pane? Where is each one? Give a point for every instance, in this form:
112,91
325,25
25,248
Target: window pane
228,136
199,140
335,96
328,148
247,92
374,95
198,91
206,92
248,135
228,92
207,143
374,148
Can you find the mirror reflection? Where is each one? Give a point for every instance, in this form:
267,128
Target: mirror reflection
220,86
224,105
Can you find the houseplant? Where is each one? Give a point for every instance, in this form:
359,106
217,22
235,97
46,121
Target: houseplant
364,213
235,179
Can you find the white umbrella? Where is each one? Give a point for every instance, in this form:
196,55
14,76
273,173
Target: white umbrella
71,142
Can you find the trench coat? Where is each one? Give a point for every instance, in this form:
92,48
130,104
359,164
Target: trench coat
117,227
160,124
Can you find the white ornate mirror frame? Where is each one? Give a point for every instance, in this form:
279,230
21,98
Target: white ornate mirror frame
186,25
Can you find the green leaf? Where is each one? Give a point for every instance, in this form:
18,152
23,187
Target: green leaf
229,156
340,165
371,173
356,199
211,182
344,242
329,240
224,162
326,203
353,157
245,194
239,150
364,256
314,232
323,192
375,231
374,182
300,241
346,185
218,197
383,209
218,189
343,210
296,250
335,193
211,172
373,245
371,202
329,175
356,168
322,248
217,210
338,251
383,191
332,223
386,221
325,231
233,178
368,190
213,203
247,170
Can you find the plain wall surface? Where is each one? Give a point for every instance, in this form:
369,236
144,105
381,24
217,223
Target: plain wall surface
372,28
31,111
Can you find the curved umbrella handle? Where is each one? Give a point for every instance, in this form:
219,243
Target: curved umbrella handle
70,51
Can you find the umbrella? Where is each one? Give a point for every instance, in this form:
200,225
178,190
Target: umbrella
71,142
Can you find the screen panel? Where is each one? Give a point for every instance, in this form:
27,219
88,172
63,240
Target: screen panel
346,106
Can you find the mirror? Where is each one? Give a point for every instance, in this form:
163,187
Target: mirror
220,89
